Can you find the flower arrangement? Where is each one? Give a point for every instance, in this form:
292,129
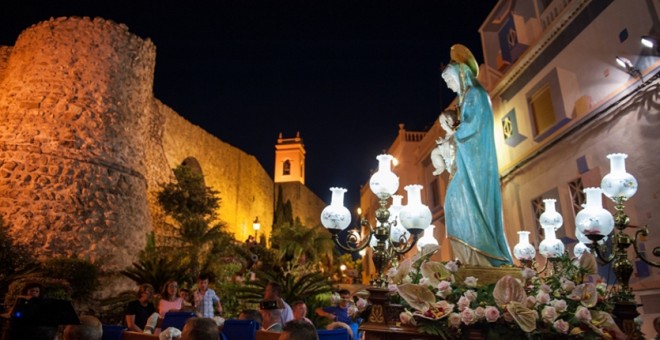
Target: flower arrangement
570,303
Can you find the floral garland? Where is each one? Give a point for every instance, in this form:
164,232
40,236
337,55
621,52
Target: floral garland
571,303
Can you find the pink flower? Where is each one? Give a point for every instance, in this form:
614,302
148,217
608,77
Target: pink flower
470,295
545,288
560,305
561,326
582,314
530,302
392,288
463,303
492,313
468,316
567,285
455,320
444,289
424,281
585,293
528,273
471,281
481,312
549,314
542,298
406,318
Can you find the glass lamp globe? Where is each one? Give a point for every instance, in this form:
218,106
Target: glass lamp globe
415,215
524,251
579,249
336,216
550,216
384,183
427,239
593,219
618,183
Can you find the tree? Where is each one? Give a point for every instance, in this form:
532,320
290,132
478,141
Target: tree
193,208
301,244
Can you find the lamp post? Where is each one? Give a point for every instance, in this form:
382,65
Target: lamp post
594,224
256,226
415,217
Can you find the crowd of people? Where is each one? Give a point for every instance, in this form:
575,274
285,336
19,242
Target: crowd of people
274,314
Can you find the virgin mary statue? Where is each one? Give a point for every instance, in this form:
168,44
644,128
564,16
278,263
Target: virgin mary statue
473,203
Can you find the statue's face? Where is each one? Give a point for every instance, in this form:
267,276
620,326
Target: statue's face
446,122
450,75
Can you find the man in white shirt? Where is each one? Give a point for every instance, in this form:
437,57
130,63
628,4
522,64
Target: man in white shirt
273,292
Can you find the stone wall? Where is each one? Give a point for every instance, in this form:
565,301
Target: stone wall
72,149
84,145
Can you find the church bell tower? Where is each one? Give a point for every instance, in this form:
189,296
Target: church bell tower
289,160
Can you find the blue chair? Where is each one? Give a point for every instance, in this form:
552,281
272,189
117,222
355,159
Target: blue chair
335,334
176,319
112,332
235,329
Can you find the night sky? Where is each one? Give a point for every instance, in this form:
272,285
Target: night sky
342,73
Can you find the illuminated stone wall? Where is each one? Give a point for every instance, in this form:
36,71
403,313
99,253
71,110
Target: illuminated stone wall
84,145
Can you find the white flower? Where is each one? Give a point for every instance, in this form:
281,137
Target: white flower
444,289
471,281
542,298
470,295
560,305
406,318
424,281
549,314
582,314
455,320
567,285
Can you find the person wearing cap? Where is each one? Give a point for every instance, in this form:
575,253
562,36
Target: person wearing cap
473,203
271,315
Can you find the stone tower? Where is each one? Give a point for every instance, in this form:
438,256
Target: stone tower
73,92
289,160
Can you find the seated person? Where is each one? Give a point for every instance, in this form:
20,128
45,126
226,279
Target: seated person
90,328
200,329
140,310
169,299
250,314
299,330
340,311
271,314
300,311
273,291
184,294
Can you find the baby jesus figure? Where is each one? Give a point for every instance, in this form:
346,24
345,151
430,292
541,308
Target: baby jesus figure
444,154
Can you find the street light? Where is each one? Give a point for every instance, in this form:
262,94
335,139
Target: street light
256,226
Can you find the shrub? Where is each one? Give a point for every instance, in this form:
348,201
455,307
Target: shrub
81,274
53,288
